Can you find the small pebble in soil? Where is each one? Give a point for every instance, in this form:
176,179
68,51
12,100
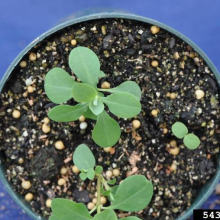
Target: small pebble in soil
154,63
105,85
199,94
75,169
32,56
116,172
25,94
82,118
59,145
173,95
154,112
63,170
94,200
103,200
83,125
74,42
61,182
90,205
23,64
16,114
29,196
30,89
165,130
173,143
173,167
26,184
109,174
154,29
48,203
174,151
46,120
136,124
20,160
45,128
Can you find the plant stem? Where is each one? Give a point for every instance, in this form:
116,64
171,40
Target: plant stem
99,181
107,187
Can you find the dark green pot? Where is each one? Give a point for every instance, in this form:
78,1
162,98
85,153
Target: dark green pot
205,191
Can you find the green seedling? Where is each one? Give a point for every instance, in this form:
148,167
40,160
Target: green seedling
132,195
191,141
60,87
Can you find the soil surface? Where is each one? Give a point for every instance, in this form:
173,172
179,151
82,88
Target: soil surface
126,50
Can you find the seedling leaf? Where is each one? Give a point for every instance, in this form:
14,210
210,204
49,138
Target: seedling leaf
112,182
88,114
58,85
83,176
67,113
83,92
96,106
106,131
85,65
133,194
65,209
101,74
179,130
191,141
123,105
107,215
130,218
53,217
91,174
129,87
98,169
83,158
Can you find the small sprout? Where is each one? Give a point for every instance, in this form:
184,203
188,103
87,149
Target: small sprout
123,101
29,197
133,194
191,141
16,114
26,184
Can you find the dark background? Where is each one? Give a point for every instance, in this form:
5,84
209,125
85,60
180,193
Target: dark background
21,21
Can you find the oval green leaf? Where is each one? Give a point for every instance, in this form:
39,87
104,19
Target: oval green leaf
191,141
83,158
130,218
179,130
83,92
67,113
106,215
58,85
129,87
91,174
53,217
85,65
88,114
106,132
133,194
96,106
123,105
65,209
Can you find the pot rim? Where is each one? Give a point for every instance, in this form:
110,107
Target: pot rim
209,187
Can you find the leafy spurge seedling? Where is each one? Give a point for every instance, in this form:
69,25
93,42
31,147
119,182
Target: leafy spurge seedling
123,102
132,195
191,141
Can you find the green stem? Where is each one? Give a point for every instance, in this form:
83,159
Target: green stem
107,187
93,210
99,181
